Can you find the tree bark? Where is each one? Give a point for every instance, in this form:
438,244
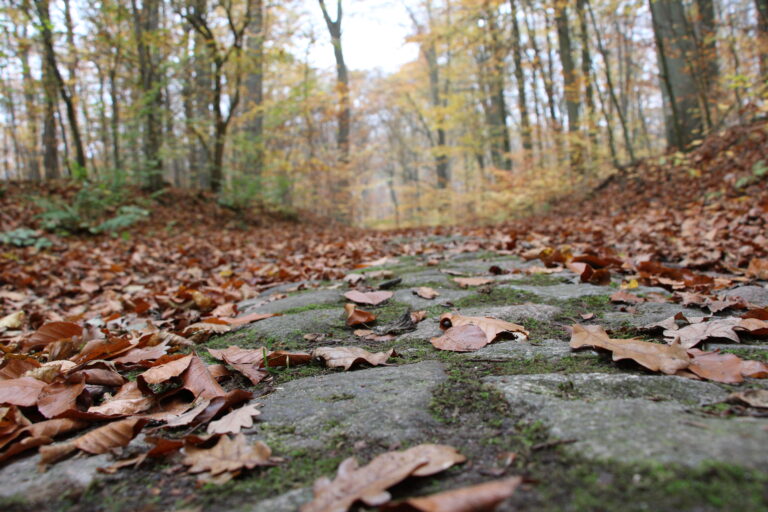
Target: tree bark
522,103
254,85
344,115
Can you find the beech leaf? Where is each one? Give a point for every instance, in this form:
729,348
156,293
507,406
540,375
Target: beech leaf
492,327
228,455
461,338
112,435
233,422
346,357
358,316
426,292
369,298
477,498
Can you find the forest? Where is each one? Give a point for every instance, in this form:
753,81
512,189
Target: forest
508,105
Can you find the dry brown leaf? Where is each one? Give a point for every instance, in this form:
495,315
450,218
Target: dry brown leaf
426,292
12,321
17,367
228,455
127,401
492,327
369,298
477,498
369,483
112,435
346,357
164,372
283,358
692,335
358,316
751,397
753,326
466,282
60,396
233,422
23,391
725,368
197,379
626,297
461,338
656,357
50,332
24,445
758,268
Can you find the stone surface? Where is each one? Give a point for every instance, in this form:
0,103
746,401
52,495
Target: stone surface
646,313
67,478
635,418
297,324
384,404
757,295
739,346
563,291
298,300
518,313
287,502
552,350
446,295
424,277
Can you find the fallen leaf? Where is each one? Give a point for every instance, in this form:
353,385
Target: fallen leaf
492,327
369,483
466,282
60,396
751,397
758,268
753,326
370,298
476,498
50,332
233,422
12,321
164,372
358,316
346,357
127,401
197,379
692,335
461,338
228,455
426,293
112,435
626,297
656,357
23,391
725,368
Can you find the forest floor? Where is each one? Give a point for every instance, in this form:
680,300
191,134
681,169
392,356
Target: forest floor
639,385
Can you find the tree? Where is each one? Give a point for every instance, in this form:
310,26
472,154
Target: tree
344,116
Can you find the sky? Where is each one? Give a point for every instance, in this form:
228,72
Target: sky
373,34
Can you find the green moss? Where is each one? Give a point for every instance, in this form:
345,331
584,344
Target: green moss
755,355
310,307
498,296
540,280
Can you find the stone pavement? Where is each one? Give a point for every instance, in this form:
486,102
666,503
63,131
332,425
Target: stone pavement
589,433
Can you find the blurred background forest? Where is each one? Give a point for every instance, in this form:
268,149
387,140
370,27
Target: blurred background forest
506,105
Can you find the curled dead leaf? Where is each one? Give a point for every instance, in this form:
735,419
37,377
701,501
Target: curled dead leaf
346,357
358,316
492,327
369,298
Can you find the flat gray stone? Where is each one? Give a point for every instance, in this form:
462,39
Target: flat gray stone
297,324
757,295
287,502
552,350
299,300
646,313
69,477
636,418
518,313
422,277
446,295
384,404
563,291
729,346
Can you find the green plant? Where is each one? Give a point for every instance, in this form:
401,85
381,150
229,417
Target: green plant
24,237
94,209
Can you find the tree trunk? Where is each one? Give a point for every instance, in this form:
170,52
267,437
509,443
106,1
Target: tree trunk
522,103
762,35
571,88
683,116
499,133
344,115
146,22
254,84
46,26
31,147
586,70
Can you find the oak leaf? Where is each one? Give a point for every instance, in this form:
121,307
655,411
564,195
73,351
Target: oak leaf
426,292
656,357
233,422
692,335
346,357
461,338
492,327
477,498
466,282
370,298
358,316
228,455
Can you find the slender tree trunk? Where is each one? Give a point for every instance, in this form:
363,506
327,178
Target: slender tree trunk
762,35
571,87
41,6
522,103
586,70
255,87
500,144
344,115
146,20
30,105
